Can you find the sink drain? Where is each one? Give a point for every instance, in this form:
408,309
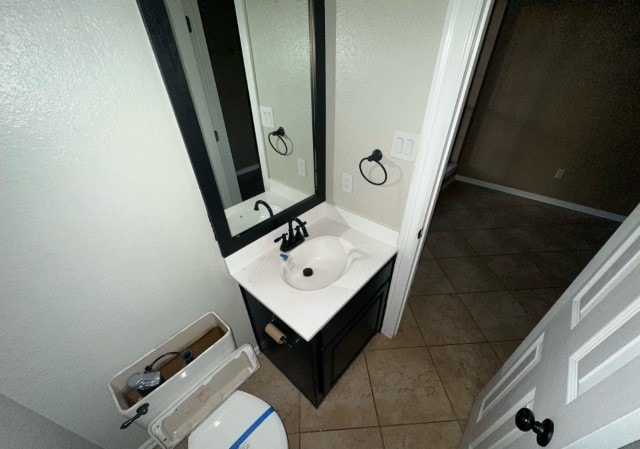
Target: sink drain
307,272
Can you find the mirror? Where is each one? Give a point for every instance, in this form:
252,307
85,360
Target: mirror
246,81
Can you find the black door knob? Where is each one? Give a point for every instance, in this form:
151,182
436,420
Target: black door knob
526,421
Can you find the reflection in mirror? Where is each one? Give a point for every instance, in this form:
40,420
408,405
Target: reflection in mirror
248,67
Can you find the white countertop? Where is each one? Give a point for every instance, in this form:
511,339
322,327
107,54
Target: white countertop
307,312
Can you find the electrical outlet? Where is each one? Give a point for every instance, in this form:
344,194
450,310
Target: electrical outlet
347,182
302,167
560,173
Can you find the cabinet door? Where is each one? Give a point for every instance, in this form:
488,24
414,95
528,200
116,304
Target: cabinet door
339,353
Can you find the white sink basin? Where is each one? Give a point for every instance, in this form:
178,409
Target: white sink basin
247,219
328,259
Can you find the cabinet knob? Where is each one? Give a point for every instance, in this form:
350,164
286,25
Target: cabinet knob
526,421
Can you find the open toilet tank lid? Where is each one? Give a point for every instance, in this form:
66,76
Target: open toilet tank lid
178,420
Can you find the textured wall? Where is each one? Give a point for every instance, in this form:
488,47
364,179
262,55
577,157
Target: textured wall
23,429
106,246
385,56
279,31
561,91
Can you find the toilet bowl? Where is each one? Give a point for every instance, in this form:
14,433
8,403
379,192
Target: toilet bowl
243,421
200,402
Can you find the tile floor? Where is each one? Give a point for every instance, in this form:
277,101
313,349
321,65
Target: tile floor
492,266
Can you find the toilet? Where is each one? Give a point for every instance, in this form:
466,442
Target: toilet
234,425
201,403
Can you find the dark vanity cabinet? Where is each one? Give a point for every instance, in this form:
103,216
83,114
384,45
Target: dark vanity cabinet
315,366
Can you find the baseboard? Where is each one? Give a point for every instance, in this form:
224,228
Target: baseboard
149,444
542,199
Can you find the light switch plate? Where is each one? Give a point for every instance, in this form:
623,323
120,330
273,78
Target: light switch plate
302,167
266,117
404,145
347,183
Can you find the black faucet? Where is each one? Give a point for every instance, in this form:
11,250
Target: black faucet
290,240
265,204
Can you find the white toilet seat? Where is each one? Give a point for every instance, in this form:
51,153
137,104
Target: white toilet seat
243,421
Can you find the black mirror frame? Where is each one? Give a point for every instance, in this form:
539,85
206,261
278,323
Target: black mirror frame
156,20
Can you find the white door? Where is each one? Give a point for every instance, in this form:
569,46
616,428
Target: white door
579,367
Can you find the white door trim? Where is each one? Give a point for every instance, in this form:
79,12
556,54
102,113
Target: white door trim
464,27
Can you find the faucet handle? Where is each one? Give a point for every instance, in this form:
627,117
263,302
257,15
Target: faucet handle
304,229
284,246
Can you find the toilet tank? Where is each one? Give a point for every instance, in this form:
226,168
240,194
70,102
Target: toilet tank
211,341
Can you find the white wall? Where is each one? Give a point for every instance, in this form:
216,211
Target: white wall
106,249
385,55
23,429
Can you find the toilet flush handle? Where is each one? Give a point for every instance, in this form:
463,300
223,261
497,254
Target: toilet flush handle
142,410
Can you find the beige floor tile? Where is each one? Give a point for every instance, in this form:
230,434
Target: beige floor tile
294,440
563,265
430,279
466,218
509,241
408,335
469,274
537,302
530,239
519,271
444,319
349,404
270,385
593,234
494,198
498,314
426,254
465,370
463,424
368,438
493,241
442,435
534,215
448,244
580,236
504,349
406,387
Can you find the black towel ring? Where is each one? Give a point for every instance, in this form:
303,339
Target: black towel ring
278,133
376,156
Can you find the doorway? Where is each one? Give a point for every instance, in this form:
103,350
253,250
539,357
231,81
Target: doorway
493,262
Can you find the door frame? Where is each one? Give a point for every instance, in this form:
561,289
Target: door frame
464,28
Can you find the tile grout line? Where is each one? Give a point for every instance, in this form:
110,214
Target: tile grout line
381,437
424,340
448,344
444,387
373,396
484,263
474,318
